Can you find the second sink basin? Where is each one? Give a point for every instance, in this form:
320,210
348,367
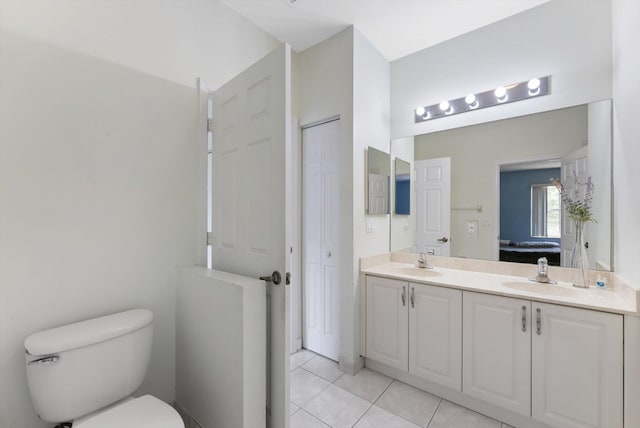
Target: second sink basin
541,288
415,271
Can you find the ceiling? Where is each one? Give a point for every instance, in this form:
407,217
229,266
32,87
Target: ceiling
396,27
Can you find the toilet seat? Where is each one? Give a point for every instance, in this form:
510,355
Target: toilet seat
144,412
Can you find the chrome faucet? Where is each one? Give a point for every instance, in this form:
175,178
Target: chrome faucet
422,262
543,272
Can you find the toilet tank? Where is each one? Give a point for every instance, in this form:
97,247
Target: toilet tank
78,368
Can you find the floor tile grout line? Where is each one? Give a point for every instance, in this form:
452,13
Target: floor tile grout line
382,393
320,376
316,418
365,412
320,392
434,412
394,413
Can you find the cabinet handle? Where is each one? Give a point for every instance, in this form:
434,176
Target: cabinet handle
404,296
524,318
538,322
413,297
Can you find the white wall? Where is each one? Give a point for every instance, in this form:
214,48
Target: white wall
371,104
175,40
626,145
346,76
325,82
476,152
568,39
98,165
221,385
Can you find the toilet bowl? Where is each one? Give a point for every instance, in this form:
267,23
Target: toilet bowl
85,373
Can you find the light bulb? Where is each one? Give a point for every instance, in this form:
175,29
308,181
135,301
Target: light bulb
534,86
420,111
472,101
501,94
444,105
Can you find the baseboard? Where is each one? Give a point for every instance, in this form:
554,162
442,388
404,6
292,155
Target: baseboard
188,420
350,367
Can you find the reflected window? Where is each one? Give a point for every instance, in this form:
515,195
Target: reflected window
545,211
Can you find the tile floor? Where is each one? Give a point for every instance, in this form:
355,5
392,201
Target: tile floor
323,396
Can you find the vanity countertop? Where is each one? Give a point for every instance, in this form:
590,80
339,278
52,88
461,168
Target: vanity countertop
618,299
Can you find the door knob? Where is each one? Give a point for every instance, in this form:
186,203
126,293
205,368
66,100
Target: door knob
275,278
443,239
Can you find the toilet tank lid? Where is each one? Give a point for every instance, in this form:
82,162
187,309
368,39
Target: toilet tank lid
84,333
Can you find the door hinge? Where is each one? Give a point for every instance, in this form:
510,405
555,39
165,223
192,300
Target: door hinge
209,238
210,124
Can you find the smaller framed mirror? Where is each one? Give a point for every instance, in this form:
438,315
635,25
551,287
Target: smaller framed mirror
378,180
402,187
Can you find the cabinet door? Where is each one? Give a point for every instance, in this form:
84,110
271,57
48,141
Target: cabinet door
577,367
435,334
497,351
387,322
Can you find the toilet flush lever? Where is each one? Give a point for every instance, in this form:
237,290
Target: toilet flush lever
51,359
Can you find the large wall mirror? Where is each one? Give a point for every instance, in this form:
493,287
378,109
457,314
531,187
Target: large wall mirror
484,191
378,181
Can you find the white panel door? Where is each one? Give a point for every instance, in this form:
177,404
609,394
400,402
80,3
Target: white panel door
321,233
497,351
435,334
574,175
577,368
251,148
433,206
387,329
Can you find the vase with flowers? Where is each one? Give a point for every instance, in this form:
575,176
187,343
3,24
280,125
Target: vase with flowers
578,209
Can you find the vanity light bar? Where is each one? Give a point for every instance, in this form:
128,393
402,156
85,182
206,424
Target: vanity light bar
535,87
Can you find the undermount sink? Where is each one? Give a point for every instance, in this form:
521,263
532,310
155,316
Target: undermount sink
415,271
542,288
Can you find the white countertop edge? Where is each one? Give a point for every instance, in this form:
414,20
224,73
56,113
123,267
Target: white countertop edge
614,300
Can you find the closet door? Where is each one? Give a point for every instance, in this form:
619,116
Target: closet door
321,234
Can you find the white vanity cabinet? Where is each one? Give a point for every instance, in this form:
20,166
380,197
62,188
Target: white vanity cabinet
560,365
415,328
576,367
435,334
387,322
497,350
556,365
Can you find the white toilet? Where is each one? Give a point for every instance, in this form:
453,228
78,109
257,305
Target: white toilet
85,372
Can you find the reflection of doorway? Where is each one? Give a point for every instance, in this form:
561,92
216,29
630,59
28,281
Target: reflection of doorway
574,176
530,212
433,205
378,194
320,237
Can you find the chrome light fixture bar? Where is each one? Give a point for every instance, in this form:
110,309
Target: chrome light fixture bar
535,87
